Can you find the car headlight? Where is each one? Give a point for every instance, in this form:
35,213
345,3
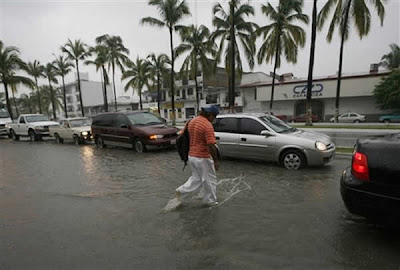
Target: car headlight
320,146
85,133
155,137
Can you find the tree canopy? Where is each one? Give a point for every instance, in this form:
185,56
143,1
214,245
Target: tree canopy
387,92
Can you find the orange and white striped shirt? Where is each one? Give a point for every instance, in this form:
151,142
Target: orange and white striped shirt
201,133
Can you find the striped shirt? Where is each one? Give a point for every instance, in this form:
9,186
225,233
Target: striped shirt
201,133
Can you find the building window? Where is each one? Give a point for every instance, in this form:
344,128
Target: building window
166,113
70,109
178,93
190,91
68,91
69,99
79,107
255,94
212,98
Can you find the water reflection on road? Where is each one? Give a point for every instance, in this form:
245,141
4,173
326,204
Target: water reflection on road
79,207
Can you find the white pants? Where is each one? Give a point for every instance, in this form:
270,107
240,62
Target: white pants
203,179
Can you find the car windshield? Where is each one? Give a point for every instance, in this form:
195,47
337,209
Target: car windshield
144,119
80,123
276,124
36,118
4,114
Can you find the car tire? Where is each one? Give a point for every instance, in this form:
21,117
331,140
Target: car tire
386,121
14,136
32,136
58,139
293,160
357,121
77,140
139,146
100,142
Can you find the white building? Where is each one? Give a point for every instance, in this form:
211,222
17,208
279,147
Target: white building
290,95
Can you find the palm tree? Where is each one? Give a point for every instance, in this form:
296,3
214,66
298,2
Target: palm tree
9,64
14,90
171,13
281,36
25,103
102,55
232,26
139,75
195,41
392,59
35,69
50,98
346,12
76,51
62,67
50,73
157,69
117,56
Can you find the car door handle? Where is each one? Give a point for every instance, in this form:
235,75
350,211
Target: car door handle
243,139
217,138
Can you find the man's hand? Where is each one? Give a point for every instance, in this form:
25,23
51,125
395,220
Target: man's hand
213,152
216,165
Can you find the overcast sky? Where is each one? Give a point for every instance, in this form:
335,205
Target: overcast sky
39,28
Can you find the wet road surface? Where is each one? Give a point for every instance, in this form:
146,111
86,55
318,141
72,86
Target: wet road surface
79,207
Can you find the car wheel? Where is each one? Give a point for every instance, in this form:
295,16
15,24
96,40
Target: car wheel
139,146
77,140
100,143
57,138
14,136
356,121
293,160
32,135
386,121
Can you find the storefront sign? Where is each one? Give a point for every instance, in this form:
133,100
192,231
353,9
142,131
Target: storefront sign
301,90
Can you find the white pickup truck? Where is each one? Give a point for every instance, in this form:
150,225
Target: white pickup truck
76,129
34,126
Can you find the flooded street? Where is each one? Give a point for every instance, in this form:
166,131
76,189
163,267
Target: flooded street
79,207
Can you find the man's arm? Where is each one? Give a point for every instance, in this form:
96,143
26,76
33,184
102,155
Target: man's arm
214,154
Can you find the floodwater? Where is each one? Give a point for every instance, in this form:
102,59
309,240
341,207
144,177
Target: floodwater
79,207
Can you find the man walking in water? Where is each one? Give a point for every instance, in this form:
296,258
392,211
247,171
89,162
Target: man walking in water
203,157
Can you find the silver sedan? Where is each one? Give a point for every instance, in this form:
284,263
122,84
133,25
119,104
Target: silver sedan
264,137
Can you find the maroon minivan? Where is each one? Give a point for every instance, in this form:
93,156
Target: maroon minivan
133,129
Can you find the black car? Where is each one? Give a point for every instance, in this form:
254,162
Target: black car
371,186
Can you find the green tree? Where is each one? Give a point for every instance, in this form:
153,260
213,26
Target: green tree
348,12
35,69
49,96
158,69
25,103
139,74
171,13
10,63
233,27
117,56
281,36
62,67
50,73
76,51
196,42
387,92
392,59
100,61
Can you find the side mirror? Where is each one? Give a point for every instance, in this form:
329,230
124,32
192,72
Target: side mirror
267,133
163,120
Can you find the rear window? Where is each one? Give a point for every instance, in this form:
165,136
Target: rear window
104,120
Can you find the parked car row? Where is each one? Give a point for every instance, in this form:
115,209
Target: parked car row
349,117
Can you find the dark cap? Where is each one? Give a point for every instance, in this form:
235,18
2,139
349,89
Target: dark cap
211,109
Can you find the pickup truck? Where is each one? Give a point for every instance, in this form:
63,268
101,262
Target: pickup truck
76,129
4,119
34,126
390,118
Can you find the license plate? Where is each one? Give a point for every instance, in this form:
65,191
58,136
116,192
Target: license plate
173,141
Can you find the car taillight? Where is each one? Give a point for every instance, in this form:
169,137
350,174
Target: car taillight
360,166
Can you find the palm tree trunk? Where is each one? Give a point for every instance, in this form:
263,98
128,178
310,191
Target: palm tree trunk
172,78
140,99
115,93
311,64
52,101
79,88
232,51
273,78
197,87
105,89
344,26
38,96
64,98
158,94
8,101
15,103
29,104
